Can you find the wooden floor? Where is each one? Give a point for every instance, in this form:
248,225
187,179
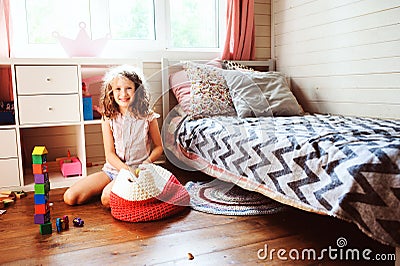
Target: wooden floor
211,239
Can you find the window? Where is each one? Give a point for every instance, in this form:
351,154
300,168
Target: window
131,25
194,23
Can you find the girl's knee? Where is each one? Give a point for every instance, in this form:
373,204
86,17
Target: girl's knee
105,199
69,197
105,195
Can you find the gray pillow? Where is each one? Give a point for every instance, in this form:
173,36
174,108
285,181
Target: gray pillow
261,94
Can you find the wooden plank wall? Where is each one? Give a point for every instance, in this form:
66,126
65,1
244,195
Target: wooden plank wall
262,21
343,56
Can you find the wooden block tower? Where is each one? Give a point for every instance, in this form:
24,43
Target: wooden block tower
42,189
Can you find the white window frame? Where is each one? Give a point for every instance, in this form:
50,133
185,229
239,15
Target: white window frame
118,48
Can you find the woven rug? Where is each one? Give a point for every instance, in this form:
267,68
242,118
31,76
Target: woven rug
218,197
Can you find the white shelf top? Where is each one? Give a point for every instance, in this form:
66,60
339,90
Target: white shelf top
70,60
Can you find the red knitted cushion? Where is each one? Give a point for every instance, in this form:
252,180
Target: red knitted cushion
157,194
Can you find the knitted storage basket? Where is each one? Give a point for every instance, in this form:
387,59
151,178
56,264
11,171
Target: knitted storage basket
155,194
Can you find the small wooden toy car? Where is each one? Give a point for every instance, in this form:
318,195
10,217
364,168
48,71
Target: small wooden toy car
78,222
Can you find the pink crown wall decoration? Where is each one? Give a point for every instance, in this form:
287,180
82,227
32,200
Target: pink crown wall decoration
83,45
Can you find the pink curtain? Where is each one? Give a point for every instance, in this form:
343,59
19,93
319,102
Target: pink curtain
240,40
5,28
5,50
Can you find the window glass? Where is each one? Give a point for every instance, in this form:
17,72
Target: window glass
131,25
194,23
132,19
44,17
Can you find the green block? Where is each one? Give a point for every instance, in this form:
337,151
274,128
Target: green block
46,229
42,188
39,159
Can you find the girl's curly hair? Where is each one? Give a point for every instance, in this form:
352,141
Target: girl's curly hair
140,106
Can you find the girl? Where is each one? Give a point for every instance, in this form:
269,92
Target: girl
128,126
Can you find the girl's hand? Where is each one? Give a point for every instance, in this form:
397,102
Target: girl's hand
147,161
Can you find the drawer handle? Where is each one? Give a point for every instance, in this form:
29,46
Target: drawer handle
50,108
48,79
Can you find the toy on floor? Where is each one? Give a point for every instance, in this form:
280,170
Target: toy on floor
42,189
70,166
66,222
62,224
8,197
78,222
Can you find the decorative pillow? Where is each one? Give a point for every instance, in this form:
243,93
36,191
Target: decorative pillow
209,92
261,94
180,85
232,65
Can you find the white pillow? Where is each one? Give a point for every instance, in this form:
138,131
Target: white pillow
261,94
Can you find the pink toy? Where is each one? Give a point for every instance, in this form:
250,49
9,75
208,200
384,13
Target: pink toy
70,168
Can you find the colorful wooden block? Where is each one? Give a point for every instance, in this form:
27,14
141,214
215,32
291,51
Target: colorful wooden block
39,155
41,198
42,208
39,150
39,168
39,159
46,228
42,188
41,178
42,218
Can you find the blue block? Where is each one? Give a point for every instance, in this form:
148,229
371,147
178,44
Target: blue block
41,198
87,108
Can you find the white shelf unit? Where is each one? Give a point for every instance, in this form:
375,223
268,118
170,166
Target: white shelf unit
48,104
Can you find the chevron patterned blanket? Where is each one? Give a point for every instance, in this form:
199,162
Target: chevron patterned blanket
346,167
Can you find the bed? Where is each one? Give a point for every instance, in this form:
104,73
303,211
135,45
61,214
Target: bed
244,126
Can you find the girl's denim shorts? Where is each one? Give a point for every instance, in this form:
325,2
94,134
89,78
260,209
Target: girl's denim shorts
111,175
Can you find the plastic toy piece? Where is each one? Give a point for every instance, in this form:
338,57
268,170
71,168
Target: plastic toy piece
59,223
46,229
78,222
137,171
66,222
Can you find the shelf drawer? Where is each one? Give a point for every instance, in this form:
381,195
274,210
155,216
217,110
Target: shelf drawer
41,109
9,173
9,143
46,79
